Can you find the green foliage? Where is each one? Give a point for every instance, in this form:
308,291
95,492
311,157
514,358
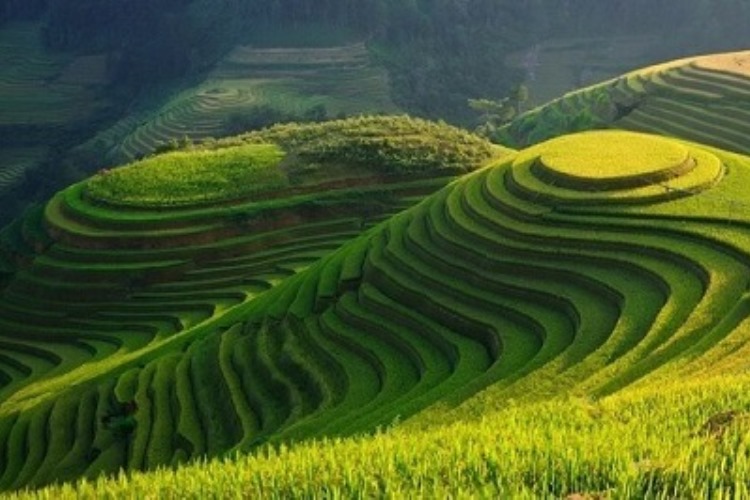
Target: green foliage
493,114
496,113
558,118
190,178
396,145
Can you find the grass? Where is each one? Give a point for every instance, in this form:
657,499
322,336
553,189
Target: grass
636,170
182,178
660,444
607,156
192,264
250,88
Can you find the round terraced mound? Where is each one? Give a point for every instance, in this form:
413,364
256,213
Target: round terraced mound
605,167
611,160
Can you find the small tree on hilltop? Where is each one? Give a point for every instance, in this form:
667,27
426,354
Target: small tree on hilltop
519,96
493,114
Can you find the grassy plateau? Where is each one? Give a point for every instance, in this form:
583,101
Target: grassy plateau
384,307
184,178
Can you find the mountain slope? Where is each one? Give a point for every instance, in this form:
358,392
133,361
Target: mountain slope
151,264
495,282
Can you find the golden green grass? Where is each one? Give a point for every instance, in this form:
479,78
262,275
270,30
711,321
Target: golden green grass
191,177
608,155
684,439
603,167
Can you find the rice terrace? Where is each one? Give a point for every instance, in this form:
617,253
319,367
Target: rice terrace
295,80
379,305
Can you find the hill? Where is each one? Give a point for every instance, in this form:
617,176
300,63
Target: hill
671,441
283,310
43,89
704,99
138,264
86,85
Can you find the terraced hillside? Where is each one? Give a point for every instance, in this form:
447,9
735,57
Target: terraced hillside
136,269
704,99
249,82
160,335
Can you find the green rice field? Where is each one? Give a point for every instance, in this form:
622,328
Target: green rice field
393,308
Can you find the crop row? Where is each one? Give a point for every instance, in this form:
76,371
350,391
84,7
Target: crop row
691,102
289,81
197,116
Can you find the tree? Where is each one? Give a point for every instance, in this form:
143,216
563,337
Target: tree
493,114
500,110
519,96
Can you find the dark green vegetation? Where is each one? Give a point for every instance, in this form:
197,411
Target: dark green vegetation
252,88
48,102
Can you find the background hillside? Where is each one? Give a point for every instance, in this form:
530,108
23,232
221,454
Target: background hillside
705,99
90,84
